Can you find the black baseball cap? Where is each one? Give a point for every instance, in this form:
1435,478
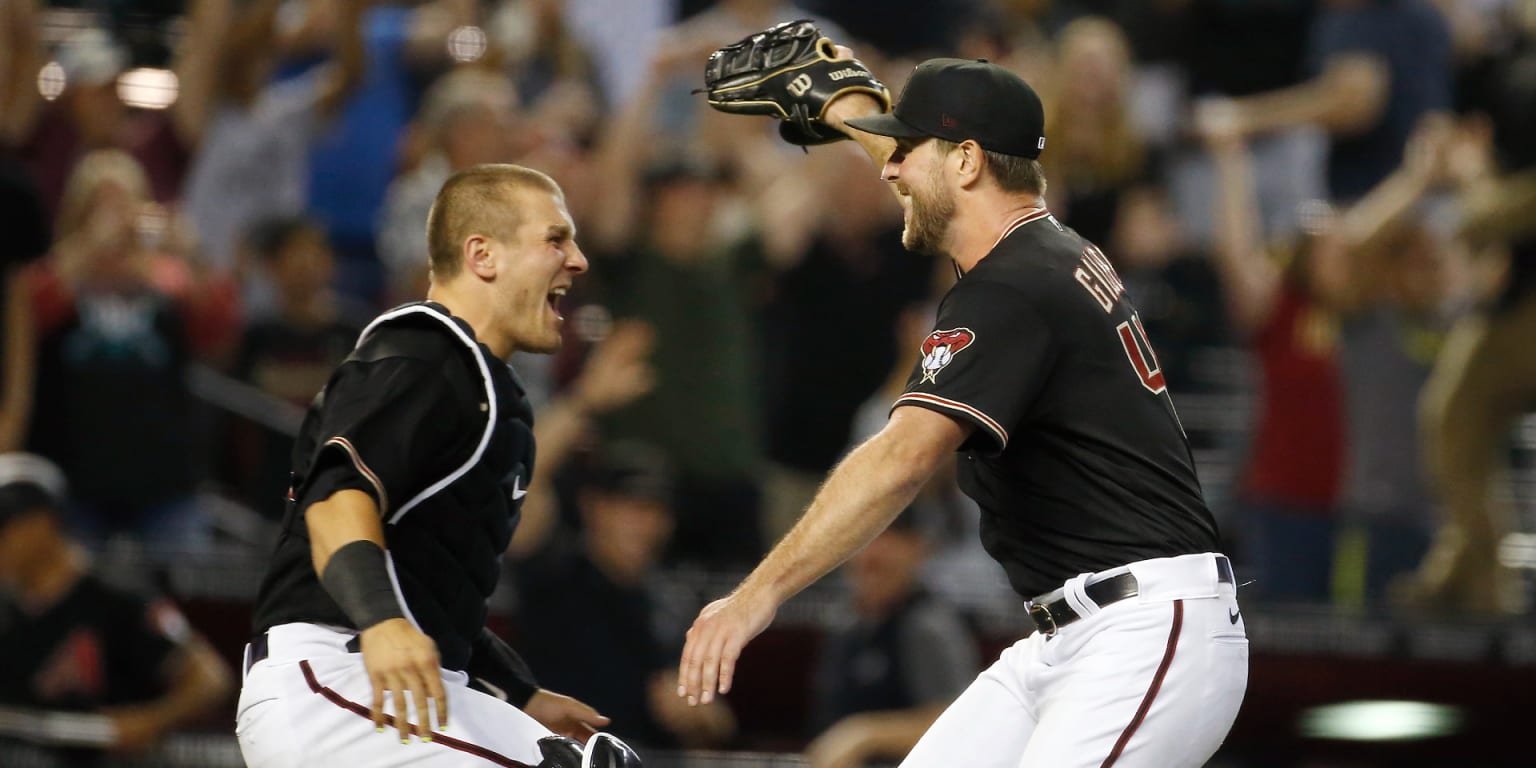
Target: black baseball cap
28,483
632,470
959,99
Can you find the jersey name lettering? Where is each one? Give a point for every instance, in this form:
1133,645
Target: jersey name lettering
1098,277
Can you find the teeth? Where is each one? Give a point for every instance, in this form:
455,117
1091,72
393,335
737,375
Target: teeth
558,292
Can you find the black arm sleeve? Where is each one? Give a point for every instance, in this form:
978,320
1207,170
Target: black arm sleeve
357,578
496,669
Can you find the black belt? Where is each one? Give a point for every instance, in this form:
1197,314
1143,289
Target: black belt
260,649
1049,617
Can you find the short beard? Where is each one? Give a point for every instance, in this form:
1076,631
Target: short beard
930,220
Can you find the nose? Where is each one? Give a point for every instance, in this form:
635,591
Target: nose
575,260
891,171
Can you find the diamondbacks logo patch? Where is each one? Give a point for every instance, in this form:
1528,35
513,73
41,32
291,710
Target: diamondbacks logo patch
941,347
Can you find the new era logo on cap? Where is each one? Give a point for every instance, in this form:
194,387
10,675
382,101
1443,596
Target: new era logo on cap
960,99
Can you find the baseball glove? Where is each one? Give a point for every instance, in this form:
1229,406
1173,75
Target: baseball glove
789,72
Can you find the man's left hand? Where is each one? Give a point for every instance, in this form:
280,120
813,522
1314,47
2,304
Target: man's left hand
564,715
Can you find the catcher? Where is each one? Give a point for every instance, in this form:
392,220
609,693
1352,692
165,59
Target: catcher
1040,376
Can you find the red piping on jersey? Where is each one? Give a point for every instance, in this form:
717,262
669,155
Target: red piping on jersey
357,461
1021,221
1157,683
389,722
986,421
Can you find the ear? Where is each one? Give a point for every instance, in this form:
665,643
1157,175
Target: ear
969,162
478,256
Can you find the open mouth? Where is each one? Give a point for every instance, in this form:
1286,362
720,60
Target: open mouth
553,300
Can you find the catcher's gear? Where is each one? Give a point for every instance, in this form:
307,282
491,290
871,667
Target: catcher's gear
603,750
788,71
559,752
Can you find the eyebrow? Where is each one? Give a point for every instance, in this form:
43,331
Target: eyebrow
564,231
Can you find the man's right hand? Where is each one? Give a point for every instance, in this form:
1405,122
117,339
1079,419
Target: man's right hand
400,660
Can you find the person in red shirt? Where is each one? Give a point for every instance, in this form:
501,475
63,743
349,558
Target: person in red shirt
1289,309
121,298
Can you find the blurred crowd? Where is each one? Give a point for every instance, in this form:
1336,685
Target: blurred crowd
1325,211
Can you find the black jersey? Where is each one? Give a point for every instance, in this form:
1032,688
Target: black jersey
439,432
1078,460
97,647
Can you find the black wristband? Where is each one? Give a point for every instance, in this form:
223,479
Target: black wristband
357,578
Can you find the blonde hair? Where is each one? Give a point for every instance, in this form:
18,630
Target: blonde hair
478,200
460,90
94,171
1119,152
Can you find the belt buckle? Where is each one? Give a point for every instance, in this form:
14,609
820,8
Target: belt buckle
1043,619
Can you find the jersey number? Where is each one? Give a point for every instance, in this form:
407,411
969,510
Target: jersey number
1139,351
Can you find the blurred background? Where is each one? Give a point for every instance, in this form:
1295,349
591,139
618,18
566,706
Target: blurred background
1325,211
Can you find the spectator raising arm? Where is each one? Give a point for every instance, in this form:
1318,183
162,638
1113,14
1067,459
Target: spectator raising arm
196,67
1370,222
1251,280
21,56
622,152
1346,99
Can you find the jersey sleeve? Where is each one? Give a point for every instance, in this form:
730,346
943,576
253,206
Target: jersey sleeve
984,363
497,670
390,428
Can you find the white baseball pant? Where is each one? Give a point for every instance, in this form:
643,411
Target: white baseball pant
1153,680
307,705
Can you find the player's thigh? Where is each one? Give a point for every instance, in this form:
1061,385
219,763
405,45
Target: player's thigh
485,727
986,727
327,713
1145,695
273,717
262,725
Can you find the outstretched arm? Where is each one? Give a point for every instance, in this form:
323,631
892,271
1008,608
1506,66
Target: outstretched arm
347,546
1346,99
197,65
1250,281
858,501
20,57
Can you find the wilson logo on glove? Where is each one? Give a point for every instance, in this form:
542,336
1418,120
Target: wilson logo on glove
790,72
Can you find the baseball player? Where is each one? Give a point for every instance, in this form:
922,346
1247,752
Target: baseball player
1040,377
409,472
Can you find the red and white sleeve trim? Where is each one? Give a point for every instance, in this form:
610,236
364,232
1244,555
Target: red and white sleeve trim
362,466
975,414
